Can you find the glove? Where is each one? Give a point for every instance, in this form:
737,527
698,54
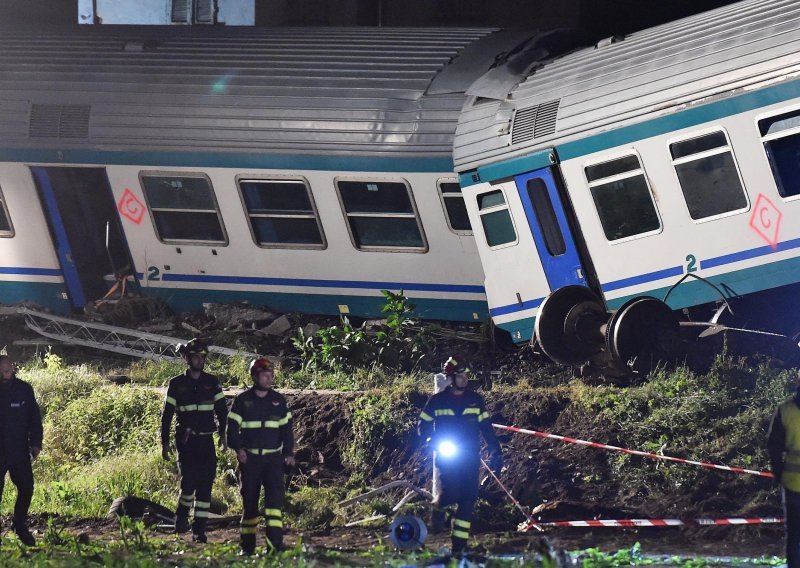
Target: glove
223,443
165,452
496,463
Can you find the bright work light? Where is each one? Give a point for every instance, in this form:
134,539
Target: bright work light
446,449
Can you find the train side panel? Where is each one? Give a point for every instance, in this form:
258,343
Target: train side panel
445,281
30,270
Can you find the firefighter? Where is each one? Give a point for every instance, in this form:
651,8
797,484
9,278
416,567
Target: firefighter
260,433
194,397
783,446
452,423
20,442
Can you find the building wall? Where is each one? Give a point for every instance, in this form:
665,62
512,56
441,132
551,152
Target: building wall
158,12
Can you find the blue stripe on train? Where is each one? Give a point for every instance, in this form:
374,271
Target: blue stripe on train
307,282
30,271
228,160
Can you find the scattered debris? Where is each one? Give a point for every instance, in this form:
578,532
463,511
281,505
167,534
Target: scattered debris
241,314
278,327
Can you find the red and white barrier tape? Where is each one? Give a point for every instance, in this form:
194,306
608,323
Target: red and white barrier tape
632,452
654,522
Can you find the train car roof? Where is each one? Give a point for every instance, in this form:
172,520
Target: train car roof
331,91
622,81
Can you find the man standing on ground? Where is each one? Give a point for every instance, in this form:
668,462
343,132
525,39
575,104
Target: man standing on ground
452,423
783,445
194,397
20,442
260,433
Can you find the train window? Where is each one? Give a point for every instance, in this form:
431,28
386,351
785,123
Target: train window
183,208
708,175
622,198
281,213
454,206
381,215
781,137
6,230
546,216
496,218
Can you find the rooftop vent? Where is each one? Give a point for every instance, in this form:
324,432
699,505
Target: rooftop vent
534,122
59,121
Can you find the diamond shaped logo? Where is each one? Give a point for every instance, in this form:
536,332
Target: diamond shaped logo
129,206
766,220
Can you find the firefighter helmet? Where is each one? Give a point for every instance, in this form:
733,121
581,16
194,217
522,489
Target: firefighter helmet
260,364
453,366
194,346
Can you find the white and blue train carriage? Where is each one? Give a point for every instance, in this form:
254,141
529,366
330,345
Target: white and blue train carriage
303,169
599,181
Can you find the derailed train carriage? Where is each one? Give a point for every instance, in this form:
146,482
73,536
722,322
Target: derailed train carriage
303,169
616,184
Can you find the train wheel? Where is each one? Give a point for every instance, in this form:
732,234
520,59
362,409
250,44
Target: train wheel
568,325
643,332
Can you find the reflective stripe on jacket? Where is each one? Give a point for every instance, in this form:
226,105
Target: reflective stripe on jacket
194,402
462,417
261,425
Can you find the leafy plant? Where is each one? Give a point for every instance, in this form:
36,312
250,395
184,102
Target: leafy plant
401,342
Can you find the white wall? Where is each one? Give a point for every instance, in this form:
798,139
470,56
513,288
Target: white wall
158,12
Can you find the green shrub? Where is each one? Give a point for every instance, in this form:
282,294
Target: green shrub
111,420
314,508
381,423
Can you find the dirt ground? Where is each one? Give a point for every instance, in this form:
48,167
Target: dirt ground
742,542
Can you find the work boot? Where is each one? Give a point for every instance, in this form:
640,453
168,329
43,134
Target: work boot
182,524
199,537
248,544
24,534
459,547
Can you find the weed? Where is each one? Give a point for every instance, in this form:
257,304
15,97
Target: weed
401,343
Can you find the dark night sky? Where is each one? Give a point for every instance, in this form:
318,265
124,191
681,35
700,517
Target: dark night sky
597,18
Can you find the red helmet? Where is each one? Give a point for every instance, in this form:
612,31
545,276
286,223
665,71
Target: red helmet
260,364
453,366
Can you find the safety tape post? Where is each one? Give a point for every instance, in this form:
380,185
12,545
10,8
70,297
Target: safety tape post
529,522
595,523
568,440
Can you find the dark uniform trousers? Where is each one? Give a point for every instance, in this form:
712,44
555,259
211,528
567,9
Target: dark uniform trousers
21,476
456,482
262,471
196,403
197,462
261,426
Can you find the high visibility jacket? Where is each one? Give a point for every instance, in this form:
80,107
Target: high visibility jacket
461,418
195,402
790,420
20,422
261,425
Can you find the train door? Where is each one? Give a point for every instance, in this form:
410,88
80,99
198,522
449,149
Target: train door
550,229
85,229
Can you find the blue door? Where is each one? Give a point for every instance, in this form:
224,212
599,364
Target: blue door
62,243
550,229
